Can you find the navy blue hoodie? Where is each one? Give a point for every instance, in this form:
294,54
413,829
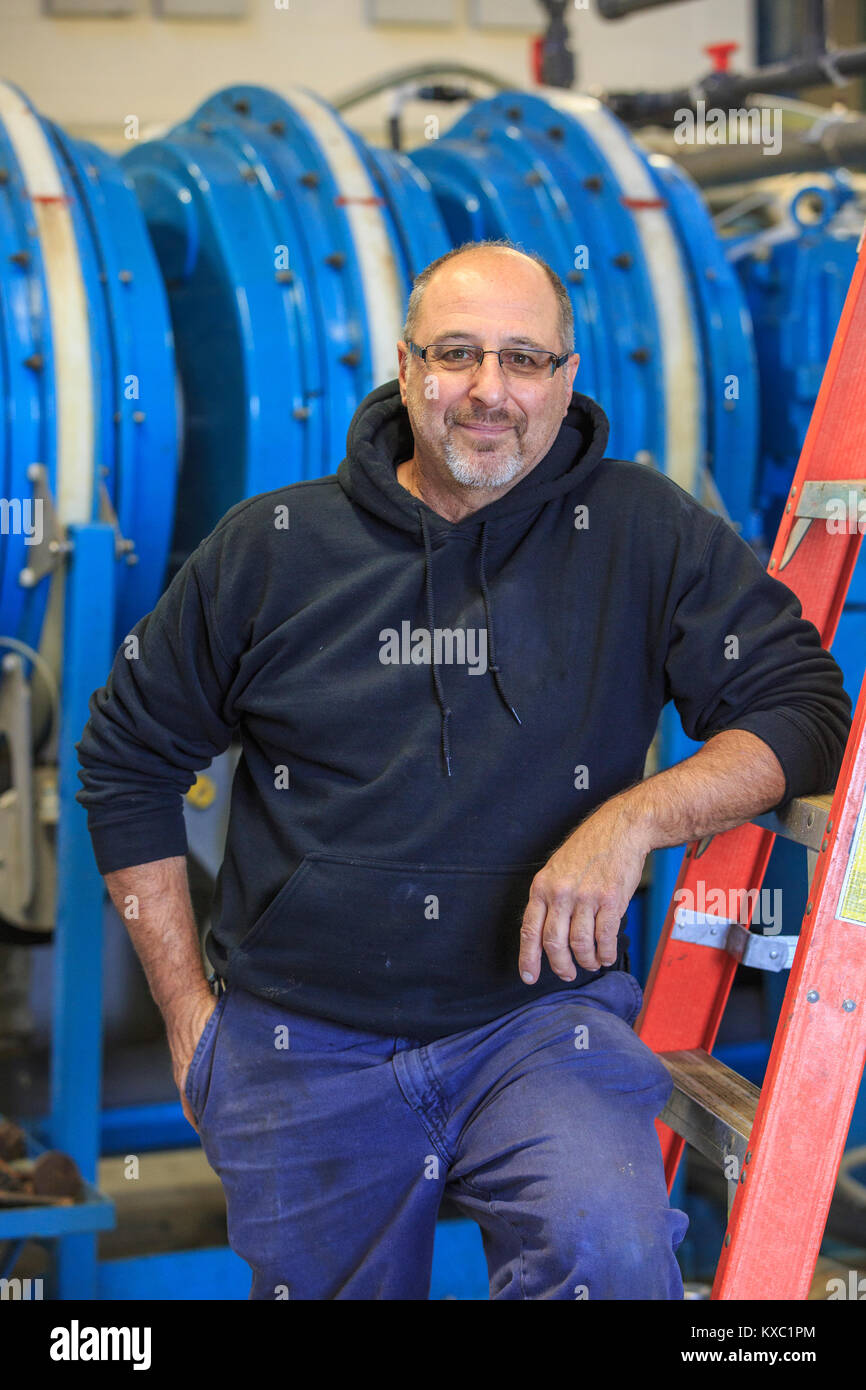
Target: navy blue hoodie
428,708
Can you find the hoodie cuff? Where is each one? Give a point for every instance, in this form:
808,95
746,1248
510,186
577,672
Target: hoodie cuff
801,762
139,840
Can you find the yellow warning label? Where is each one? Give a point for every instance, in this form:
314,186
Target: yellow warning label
852,901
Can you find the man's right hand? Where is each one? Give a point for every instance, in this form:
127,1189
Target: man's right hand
184,1030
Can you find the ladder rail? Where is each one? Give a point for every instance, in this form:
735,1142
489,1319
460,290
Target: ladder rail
813,1074
784,1191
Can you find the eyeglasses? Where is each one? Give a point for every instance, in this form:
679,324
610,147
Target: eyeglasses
461,357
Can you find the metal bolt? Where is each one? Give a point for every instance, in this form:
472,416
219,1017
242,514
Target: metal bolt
808,909
813,996
592,183
849,1006
125,276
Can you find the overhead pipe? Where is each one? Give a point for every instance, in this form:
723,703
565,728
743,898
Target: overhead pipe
840,140
726,89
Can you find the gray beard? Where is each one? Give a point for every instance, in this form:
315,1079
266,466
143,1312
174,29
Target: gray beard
471,473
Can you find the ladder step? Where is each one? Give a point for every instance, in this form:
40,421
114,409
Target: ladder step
711,1107
804,819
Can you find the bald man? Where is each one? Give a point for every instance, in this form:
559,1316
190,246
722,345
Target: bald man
445,664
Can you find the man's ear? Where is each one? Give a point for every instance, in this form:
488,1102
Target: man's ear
403,357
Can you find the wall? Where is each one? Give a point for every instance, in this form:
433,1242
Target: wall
89,74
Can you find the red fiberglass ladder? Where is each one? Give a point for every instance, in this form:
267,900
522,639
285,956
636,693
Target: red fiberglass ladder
781,1147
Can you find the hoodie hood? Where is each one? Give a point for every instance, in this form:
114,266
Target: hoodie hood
380,437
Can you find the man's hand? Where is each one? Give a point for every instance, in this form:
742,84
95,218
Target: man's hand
184,1028
580,896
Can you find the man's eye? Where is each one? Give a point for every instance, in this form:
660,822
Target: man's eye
457,354
519,359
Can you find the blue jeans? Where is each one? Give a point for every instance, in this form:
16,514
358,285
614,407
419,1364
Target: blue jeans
335,1147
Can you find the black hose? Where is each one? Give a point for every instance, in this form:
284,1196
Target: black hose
726,89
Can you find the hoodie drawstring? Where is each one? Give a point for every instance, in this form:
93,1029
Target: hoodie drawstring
492,664
488,609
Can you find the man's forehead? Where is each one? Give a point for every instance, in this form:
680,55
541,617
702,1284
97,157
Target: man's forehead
501,288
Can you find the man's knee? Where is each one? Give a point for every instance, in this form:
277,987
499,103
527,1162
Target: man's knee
624,1254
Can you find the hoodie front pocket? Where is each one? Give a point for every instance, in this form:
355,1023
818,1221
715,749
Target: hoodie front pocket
384,938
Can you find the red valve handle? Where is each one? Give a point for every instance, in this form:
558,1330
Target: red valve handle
537,44
720,55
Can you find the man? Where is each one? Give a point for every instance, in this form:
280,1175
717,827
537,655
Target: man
446,664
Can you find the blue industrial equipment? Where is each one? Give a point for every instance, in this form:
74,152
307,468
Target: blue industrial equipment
86,367
287,249
659,316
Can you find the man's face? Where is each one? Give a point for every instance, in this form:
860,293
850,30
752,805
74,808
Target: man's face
486,428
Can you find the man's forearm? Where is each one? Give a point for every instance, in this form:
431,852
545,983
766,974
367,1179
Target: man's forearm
734,777
154,903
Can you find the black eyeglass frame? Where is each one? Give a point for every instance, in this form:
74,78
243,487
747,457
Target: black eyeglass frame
556,363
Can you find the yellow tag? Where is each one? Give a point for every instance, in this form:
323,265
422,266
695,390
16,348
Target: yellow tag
852,901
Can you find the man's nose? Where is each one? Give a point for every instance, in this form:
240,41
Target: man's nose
487,383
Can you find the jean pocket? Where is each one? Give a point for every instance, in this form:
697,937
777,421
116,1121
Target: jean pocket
197,1084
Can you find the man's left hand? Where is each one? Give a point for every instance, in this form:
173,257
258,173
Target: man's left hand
578,899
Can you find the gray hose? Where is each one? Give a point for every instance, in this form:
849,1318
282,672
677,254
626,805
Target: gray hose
397,76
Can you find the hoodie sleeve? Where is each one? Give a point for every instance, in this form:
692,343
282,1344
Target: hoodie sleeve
159,719
741,655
